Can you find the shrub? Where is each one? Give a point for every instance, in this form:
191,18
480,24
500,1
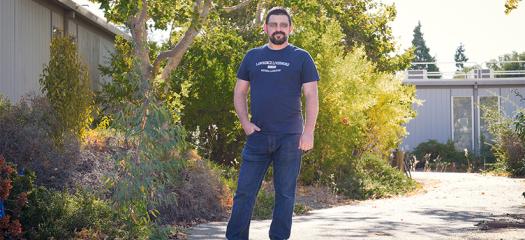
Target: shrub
66,84
362,113
264,204
201,194
13,197
207,74
149,170
372,177
509,141
26,129
444,151
60,215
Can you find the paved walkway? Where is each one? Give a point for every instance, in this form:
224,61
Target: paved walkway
452,204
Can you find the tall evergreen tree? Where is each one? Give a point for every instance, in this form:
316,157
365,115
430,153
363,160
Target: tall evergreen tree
422,53
460,58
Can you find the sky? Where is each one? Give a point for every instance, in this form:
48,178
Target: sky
481,25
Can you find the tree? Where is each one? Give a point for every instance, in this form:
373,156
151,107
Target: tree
139,16
148,172
460,58
422,53
210,65
511,5
65,83
366,24
513,63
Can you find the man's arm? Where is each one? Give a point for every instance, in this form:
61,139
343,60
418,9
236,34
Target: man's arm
240,95
312,109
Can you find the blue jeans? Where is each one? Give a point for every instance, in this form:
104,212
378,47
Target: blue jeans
259,152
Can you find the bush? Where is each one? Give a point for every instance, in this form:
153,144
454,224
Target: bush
372,177
60,215
509,141
446,152
207,75
363,112
201,194
13,198
263,205
26,129
66,84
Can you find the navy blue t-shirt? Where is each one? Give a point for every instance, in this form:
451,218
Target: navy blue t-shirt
276,78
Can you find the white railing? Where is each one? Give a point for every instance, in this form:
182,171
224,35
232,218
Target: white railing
470,70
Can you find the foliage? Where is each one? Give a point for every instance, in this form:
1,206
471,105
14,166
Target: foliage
66,84
263,205
366,24
337,38
265,202
25,129
444,151
150,168
58,215
13,198
362,110
460,58
509,144
124,85
509,62
511,5
422,53
372,177
209,72
205,91
201,194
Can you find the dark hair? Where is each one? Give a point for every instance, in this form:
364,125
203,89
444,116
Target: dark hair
278,11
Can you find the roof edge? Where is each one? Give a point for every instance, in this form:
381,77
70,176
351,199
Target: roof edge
94,18
469,82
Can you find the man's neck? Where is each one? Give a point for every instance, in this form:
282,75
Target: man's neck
277,47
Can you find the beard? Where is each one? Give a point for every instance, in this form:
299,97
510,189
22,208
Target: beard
278,41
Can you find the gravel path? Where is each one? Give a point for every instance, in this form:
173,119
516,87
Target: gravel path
448,209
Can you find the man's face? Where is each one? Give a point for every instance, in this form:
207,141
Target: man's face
278,29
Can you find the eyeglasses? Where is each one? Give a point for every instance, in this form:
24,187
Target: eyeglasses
274,25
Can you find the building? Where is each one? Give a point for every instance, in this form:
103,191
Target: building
26,28
453,108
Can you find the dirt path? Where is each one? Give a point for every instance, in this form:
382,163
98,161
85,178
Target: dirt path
452,204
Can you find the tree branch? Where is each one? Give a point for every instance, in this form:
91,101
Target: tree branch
259,12
237,7
139,34
175,54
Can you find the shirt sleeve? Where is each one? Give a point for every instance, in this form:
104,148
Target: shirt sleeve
309,72
243,71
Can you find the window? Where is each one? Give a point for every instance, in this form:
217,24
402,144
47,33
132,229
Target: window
462,133
487,104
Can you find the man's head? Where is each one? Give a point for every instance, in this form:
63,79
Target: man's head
278,25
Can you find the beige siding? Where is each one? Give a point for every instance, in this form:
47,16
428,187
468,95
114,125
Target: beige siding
72,28
32,39
106,48
57,21
7,48
88,47
25,35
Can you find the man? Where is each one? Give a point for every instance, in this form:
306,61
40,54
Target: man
276,73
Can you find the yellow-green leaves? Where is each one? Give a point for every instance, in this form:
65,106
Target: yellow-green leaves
66,84
511,5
